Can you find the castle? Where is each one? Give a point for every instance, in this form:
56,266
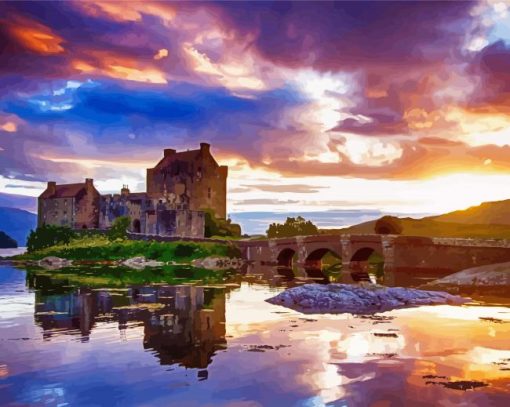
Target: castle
180,188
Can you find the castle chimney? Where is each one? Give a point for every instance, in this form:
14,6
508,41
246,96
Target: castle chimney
125,190
52,187
168,151
89,183
204,147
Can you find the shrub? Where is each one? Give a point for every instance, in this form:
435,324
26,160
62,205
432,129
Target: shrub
47,236
119,228
184,250
388,225
220,227
292,227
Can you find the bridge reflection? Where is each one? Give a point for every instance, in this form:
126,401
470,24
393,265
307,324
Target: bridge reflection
372,272
182,324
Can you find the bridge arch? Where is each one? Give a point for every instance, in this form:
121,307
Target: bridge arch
285,262
314,266
366,261
285,257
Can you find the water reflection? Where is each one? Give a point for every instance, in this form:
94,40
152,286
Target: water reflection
182,324
196,345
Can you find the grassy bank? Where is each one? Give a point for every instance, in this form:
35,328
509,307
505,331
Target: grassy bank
108,276
99,248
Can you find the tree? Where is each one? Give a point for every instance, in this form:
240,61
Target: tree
119,228
388,225
292,227
7,242
219,227
47,236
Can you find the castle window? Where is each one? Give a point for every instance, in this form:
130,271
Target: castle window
209,193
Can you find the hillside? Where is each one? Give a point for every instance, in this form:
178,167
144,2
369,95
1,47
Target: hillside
17,223
431,228
28,203
488,220
488,213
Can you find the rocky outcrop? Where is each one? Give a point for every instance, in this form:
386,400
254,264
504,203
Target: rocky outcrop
358,299
493,275
140,262
218,263
53,263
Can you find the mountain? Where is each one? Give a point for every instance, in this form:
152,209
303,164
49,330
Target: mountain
488,213
28,203
7,242
431,228
17,223
488,220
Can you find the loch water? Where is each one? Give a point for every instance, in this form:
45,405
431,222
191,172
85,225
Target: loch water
68,341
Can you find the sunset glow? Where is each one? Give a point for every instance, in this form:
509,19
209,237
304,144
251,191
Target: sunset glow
422,127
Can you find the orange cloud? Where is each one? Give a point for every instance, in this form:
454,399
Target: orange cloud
127,10
9,127
34,36
118,67
427,158
9,122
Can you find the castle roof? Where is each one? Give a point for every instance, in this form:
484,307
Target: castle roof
63,191
188,156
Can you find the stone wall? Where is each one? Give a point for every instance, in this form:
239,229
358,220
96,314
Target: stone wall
87,209
152,215
78,212
194,174
56,211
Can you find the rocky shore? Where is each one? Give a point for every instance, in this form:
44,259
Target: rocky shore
491,276
140,262
359,299
218,263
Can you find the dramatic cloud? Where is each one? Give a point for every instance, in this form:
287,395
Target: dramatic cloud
350,35
282,90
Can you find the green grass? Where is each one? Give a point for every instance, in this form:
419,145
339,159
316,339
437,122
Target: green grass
109,276
99,248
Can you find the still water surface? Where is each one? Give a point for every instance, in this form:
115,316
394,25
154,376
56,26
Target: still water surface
64,343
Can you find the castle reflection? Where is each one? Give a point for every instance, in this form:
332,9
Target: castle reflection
182,324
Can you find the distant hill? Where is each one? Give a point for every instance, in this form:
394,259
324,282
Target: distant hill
488,213
17,223
7,242
28,203
488,220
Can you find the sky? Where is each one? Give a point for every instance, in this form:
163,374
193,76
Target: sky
383,107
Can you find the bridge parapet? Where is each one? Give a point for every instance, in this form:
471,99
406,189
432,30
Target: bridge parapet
446,241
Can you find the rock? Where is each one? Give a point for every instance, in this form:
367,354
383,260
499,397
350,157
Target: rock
493,275
358,299
218,263
140,262
53,262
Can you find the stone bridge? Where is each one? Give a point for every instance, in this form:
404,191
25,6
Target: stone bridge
401,254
